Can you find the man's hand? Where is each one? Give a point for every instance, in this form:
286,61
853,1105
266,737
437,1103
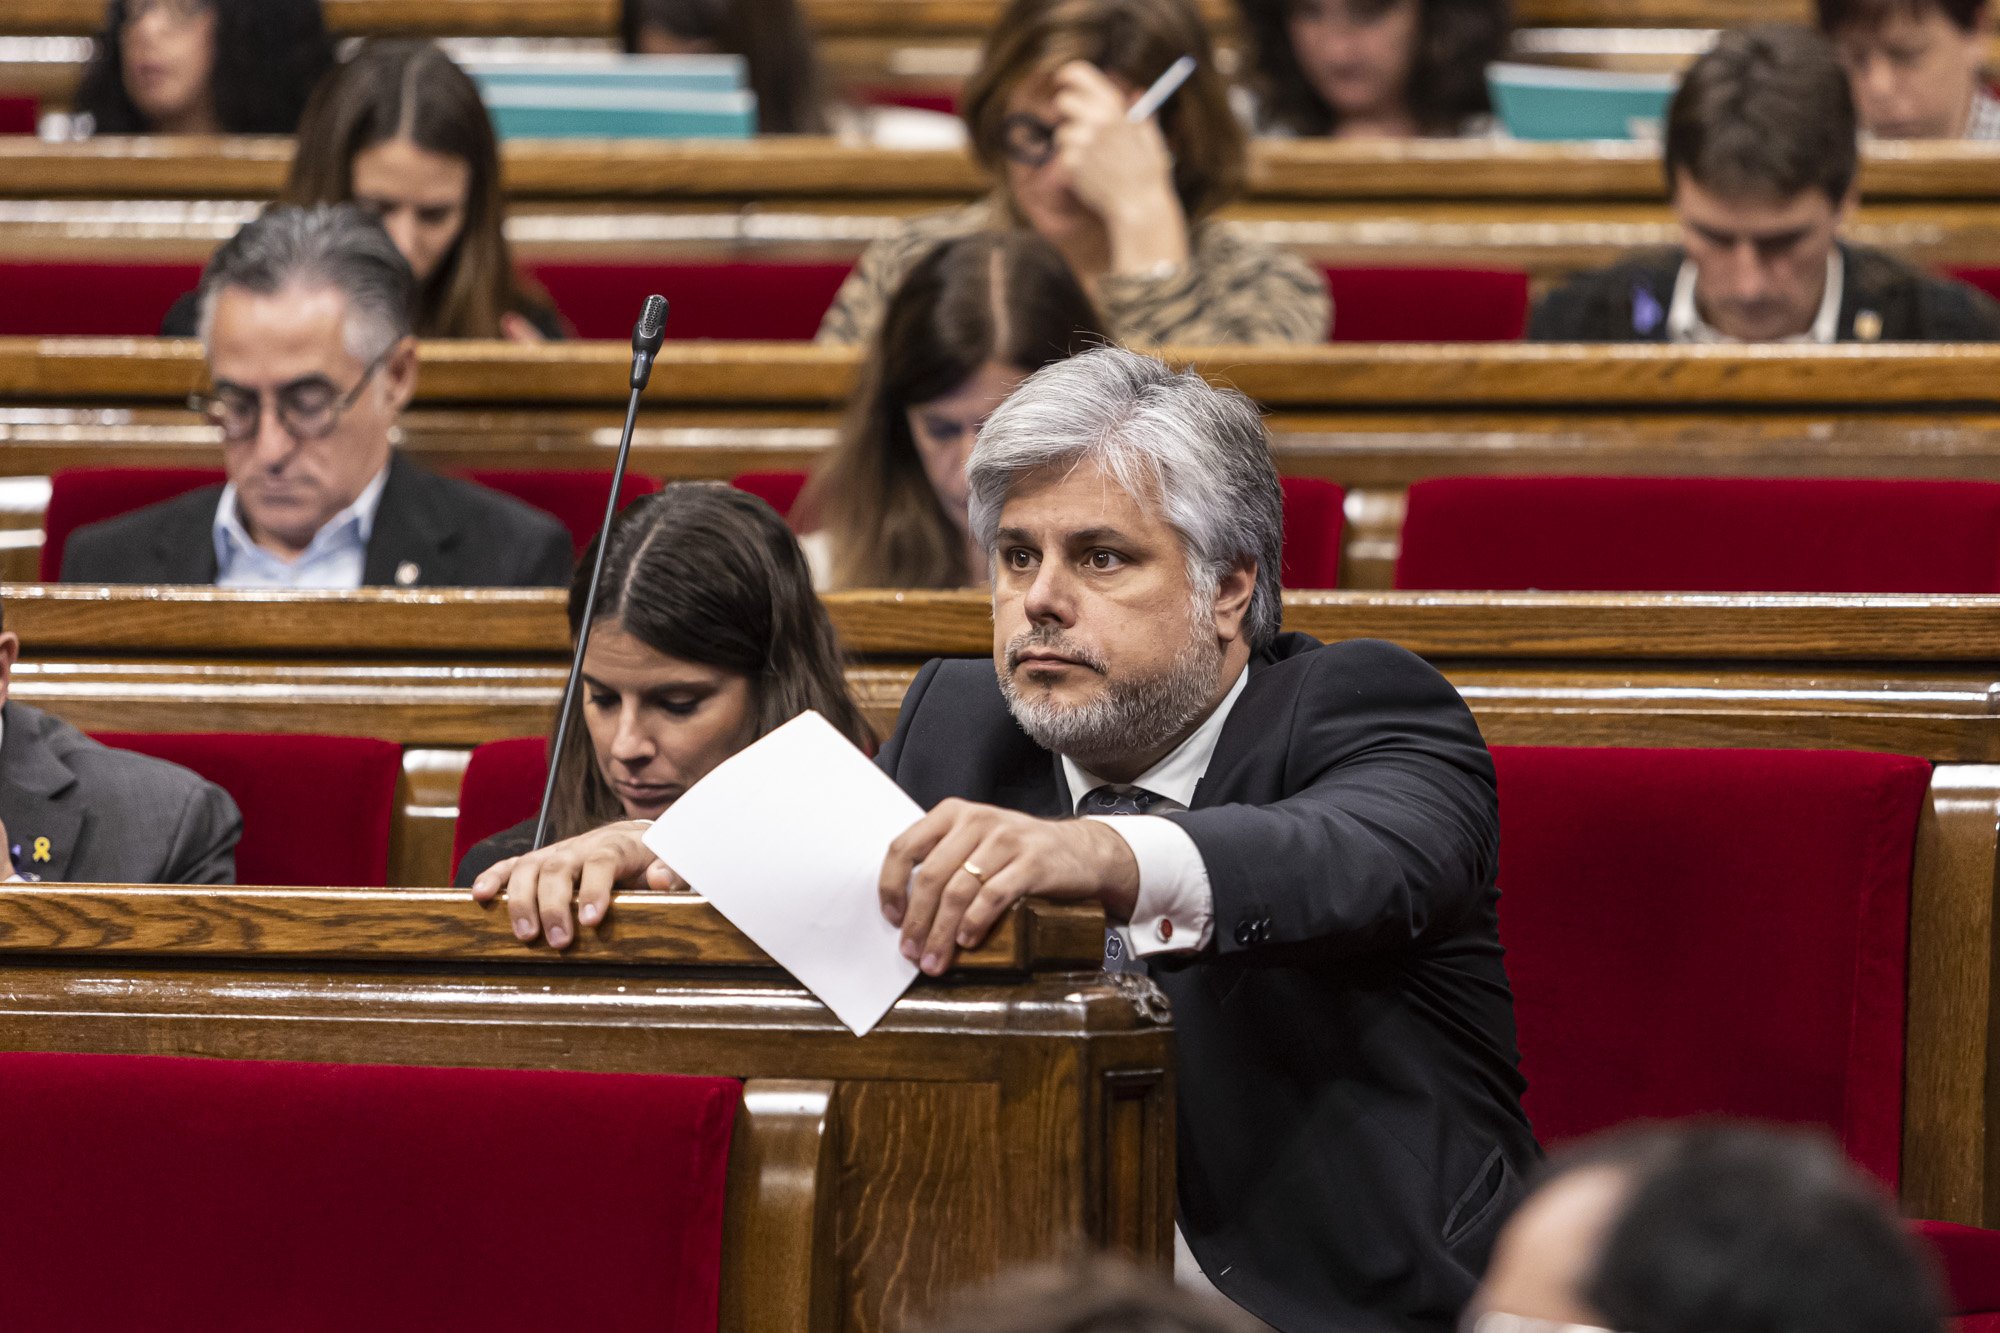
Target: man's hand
7,870
539,886
951,874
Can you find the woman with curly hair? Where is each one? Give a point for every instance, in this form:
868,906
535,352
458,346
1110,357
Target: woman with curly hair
204,66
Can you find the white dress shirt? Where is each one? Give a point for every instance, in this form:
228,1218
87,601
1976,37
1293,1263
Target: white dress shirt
1176,907
1685,324
336,557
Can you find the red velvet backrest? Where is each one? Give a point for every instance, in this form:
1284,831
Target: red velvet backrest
1701,534
502,786
317,810
765,301
780,490
1423,305
183,1194
20,115
1696,932
576,498
80,496
1985,279
1315,517
91,300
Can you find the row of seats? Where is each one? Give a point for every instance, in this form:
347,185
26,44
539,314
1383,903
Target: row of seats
1571,534
1688,932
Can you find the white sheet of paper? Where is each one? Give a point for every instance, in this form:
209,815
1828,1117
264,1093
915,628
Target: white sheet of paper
786,838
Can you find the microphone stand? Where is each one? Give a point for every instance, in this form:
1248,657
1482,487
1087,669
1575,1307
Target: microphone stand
647,335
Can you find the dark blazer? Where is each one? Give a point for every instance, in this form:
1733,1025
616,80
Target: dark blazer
490,851
1882,297
78,812
1351,1131
450,533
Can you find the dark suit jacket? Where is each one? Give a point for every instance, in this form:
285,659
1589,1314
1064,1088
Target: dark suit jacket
1351,1131
81,813
455,534
1629,301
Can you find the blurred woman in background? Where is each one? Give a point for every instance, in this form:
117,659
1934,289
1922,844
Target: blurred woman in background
771,37
1375,69
203,66
707,636
1129,205
973,319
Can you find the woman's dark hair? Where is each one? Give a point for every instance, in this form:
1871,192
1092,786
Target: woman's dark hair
1456,41
772,38
1135,40
268,56
1003,297
711,575
1835,15
392,90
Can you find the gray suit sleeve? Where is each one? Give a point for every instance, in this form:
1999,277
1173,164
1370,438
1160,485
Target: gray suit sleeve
203,849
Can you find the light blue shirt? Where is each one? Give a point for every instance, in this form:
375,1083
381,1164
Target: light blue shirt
336,557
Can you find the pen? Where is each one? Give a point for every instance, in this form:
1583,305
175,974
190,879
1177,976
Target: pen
1163,87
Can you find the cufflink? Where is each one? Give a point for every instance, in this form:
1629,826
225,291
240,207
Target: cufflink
407,574
1166,929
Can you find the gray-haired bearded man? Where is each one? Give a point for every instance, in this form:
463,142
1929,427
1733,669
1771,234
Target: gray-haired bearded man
1301,840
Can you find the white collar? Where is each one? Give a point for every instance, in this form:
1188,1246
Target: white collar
229,526
1176,776
1685,324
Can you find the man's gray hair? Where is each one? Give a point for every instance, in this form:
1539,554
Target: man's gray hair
1197,454
328,245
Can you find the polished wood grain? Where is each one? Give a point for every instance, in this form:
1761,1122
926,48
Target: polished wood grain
778,1266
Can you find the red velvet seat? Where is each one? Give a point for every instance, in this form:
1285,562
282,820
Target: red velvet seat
577,498
1724,932
19,115
1314,521
502,786
764,301
1403,305
317,810
90,300
1701,534
1985,279
183,1194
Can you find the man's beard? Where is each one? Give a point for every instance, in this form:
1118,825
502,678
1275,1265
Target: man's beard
1129,717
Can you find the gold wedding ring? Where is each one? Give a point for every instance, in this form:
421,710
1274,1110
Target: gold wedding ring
973,871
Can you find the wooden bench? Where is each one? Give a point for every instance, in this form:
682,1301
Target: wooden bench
1897,674
1372,419
1023,1107
1547,209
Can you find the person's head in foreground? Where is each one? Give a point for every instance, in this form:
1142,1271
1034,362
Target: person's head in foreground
782,67
1135,522
707,636
400,130
1706,1228
1097,1295
1761,165
204,66
305,316
1373,68
1047,113
969,324
1917,66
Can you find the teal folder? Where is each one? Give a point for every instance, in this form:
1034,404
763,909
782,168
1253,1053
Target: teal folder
1553,102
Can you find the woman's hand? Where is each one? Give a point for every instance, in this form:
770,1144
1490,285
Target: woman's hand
1121,170
515,328
540,885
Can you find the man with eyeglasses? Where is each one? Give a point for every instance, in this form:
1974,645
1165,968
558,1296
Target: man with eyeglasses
1761,163
306,320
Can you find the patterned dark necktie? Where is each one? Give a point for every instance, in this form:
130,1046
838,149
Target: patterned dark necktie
1118,798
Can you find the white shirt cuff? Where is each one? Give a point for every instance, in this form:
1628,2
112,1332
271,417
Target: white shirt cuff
1176,908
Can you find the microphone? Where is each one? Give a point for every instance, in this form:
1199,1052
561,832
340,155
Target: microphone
647,335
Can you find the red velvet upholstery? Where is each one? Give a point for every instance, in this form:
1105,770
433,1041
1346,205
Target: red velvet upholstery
88,300
1971,1260
1701,534
770,301
183,1194
80,496
502,786
780,490
1420,305
1985,279
316,809
577,498
20,115
1315,516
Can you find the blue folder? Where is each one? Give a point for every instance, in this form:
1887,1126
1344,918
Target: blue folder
1553,102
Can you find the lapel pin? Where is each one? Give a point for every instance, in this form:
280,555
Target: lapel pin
1868,327
407,574
42,850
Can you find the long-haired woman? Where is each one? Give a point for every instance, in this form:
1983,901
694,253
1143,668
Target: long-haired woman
771,36
973,319
707,636
204,66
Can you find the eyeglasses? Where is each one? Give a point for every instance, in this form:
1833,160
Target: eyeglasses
1027,139
176,12
1493,1321
308,409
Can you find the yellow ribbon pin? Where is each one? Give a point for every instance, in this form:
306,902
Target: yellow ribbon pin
41,849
